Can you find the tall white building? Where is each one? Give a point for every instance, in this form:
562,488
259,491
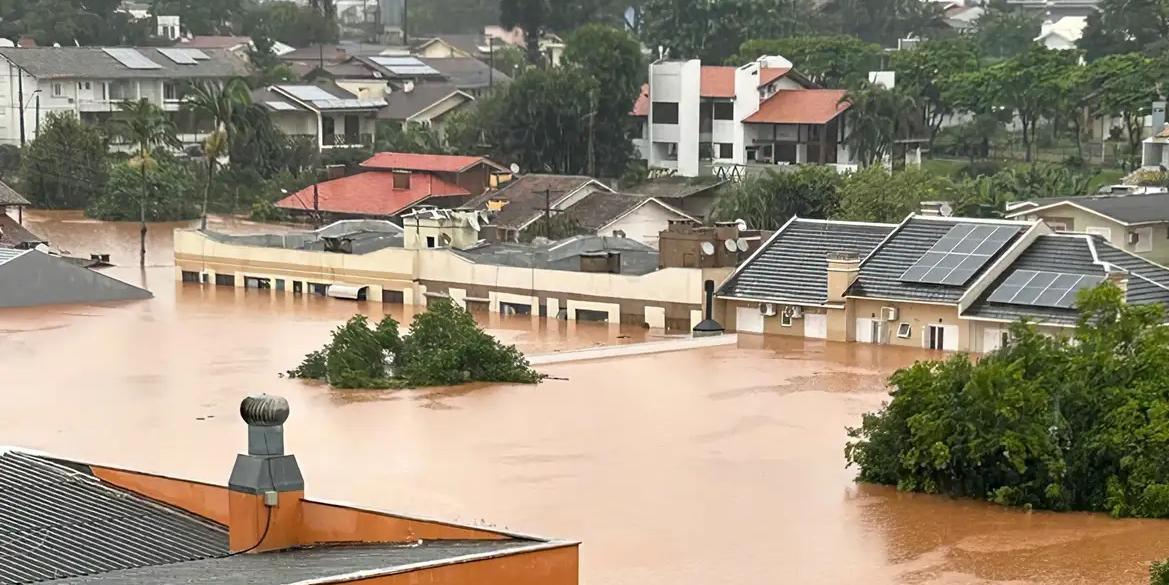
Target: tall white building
696,117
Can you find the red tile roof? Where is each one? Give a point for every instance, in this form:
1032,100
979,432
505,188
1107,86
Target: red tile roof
370,193
769,74
434,163
717,82
800,106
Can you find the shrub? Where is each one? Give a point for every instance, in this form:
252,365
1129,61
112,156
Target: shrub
1043,422
1159,573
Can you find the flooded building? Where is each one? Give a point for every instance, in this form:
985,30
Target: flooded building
31,277
441,253
929,282
88,523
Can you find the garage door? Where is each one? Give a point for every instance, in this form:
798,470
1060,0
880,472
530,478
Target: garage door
748,320
816,326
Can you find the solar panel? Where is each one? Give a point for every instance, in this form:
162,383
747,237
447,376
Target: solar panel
281,106
131,58
1044,289
196,54
957,256
308,93
405,66
179,56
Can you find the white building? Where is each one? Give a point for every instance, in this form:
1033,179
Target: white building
1062,34
90,82
331,116
697,117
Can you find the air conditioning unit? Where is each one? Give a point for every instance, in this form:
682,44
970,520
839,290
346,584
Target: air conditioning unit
889,313
767,309
794,312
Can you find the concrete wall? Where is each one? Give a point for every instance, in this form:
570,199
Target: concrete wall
1077,220
918,315
364,88
642,225
677,82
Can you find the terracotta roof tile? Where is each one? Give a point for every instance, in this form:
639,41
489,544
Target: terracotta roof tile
370,193
800,106
434,163
717,82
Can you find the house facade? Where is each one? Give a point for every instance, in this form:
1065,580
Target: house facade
1134,223
90,82
694,117
952,284
326,114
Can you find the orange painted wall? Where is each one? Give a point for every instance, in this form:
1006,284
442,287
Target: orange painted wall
333,523
251,520
201,499
558,566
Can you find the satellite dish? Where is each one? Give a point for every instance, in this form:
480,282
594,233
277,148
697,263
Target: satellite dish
707,249
473,221
741,244
731,246
741,224
515,169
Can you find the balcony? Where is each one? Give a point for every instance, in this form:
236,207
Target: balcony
348,140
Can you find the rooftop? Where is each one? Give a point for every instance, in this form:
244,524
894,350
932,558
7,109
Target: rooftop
366,235
404,105
130,63
9,196
602,208
1127,209
288,97
370,193
675,187
467,73
434,163
32,278
800,106
636,257
793,265
14,235
527,195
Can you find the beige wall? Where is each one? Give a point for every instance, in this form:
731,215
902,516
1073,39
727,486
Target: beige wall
363,88
1081,221
417,231
642,225
441,50
918,315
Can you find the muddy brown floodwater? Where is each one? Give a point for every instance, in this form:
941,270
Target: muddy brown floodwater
718,465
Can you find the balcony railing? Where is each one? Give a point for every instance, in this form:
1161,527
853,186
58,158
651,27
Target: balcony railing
342,140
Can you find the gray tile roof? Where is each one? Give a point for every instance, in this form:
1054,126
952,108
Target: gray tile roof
466,73
793,265
880,274
526,197
1130,208
675,187
404,104
57,523
296,566
14,235
94,63
9,196
1073,254
636,257
600,208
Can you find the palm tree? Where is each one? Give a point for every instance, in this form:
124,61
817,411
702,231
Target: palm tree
148,127
877,118
222,104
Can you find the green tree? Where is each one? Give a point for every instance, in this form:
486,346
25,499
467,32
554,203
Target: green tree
884,21
65,166
394,136
612,58
769,200
929,72
508,59
9,160
148,128
452,16
169,192
217,102
87,22
289,22
1045,421
202,17
1005,31
830,61
1126,26
1126,86
713,31
877,195
878,118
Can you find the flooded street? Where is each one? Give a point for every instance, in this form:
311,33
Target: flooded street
717,465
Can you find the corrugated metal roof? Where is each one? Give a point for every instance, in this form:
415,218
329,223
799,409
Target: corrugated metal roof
880,274
56,523
793,266
7,254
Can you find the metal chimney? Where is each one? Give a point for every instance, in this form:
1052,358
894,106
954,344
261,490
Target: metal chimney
709,327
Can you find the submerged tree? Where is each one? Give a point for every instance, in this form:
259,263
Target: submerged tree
148,128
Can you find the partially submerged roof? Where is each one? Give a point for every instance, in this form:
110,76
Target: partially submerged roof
30,278
1071,254
792,267
14,235
1127,209
881,274
603,208
527,195
800,106
148,63
363,235
675,187
404,105
370,193
434,163
9,196
636,257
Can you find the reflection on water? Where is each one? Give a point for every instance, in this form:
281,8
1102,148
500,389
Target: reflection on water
718,465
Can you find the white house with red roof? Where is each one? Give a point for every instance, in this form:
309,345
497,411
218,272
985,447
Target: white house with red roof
696,117
392,183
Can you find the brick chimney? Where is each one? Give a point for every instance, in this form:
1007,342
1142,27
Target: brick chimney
266,487
843,268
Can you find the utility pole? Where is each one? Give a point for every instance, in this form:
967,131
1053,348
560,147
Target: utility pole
37,129
490,62
406,22
317,205
20,100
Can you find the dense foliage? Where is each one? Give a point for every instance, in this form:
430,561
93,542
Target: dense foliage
444,347
171,193
1043,422
768,200
831,61
65,166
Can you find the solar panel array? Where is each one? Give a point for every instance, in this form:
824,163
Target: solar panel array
281,106
179,56
960,254
308,93
1044,289
131,58
405,66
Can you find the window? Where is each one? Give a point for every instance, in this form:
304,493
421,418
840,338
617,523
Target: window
297,287
121,90
785,318
724,110
1143,240
84,85
401,179
224,280
189,276
431,242
671,151
396,297
705,150
170,91
664,113
318,289
726,150
1004,338
904,330
58,89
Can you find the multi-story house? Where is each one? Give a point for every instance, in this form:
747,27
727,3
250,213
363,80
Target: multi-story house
90,82
696,117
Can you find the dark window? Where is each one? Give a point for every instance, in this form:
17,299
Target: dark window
726,150
170,91
724,110
328,129
665,113
352,129
589,315
431,242
256,282
396,297
189,276
224,280
705,150
297,287
279,284
318,289
478,306
401,179
514,309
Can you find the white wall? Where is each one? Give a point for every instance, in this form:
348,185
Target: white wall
677,82
642,225
746,103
